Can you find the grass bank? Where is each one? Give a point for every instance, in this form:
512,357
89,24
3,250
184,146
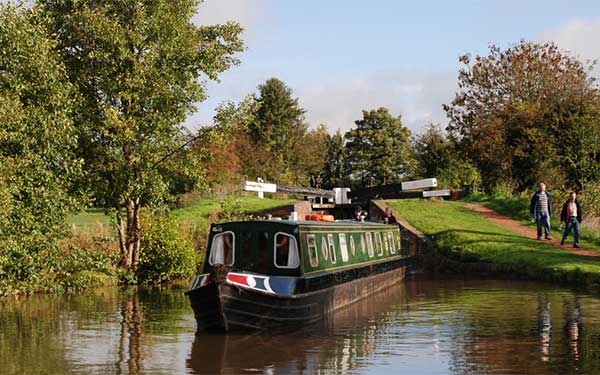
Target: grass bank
467,238
517,208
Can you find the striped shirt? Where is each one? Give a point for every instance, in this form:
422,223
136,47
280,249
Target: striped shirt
542,206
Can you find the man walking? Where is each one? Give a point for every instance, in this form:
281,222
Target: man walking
541,208
571,214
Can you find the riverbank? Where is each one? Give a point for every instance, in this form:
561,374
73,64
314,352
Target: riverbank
88,255
467,241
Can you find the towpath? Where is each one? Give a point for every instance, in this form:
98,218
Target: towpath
514,225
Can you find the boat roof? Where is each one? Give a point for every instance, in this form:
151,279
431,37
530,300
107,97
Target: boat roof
311,222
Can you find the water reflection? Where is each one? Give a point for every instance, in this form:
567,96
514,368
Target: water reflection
424,326
342,342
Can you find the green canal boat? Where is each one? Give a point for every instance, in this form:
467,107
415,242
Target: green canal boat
278,274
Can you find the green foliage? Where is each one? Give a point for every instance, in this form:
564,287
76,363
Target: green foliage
139,68
528,113
440,157
37,163
337,168
277,130
166,254
379,149
433,151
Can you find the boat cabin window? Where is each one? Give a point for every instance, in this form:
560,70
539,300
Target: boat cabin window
311,241
331,248
324,248
222,249
343,246
286,251
391,241
352,245
379,245
370,245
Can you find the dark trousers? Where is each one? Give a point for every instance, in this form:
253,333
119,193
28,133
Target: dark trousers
543,219
572,223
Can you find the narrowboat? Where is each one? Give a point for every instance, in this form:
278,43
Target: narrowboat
280,274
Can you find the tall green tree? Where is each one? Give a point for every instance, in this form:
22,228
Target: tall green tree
278,128
139,67
336,171
524,113
433,151
37,141
379,149
311,153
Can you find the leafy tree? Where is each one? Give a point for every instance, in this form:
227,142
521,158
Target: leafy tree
438,156
433,151
379,149
278,128
37,139
311,153
336,171
520,114
222,146
139,67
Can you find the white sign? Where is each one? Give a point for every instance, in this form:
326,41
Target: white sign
260,187
419,184
436,193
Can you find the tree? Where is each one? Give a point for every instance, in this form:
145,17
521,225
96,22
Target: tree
336,171
222,147
278,128
37,140
379,149
516,112
139,67
433,151
311,153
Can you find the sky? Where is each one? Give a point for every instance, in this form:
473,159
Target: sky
342,57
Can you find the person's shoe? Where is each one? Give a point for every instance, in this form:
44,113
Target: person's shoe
539,238
562,243
549,238
576,246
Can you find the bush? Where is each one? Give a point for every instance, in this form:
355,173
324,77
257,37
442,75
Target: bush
166,253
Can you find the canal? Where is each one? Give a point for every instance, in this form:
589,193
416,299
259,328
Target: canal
424,325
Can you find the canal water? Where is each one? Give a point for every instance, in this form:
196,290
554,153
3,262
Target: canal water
422,326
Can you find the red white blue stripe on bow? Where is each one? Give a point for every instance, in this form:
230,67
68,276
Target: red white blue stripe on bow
255,282
200,280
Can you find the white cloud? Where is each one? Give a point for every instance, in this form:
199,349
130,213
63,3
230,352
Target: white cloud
579,36
416,95
247,13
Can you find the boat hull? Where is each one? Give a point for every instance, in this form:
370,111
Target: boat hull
224,307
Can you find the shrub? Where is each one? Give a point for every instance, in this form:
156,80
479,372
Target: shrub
166,253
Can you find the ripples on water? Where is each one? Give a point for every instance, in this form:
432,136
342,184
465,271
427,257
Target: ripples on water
422,326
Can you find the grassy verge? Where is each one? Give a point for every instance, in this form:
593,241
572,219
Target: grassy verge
466,236
197,212
518,208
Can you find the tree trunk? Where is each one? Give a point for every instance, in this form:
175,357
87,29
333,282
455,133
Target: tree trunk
136,235
122,229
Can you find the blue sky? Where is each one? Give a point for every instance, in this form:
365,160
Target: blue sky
341,57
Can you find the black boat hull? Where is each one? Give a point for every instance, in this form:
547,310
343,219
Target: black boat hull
224,307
